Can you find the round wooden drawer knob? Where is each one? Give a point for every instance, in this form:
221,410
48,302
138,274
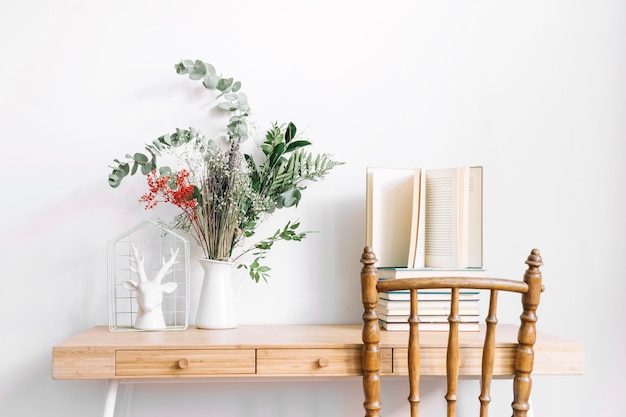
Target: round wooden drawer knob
323,362
183,363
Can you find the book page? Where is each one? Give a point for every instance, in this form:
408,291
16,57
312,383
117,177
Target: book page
415,222
389,214
420,238
475,215
445,218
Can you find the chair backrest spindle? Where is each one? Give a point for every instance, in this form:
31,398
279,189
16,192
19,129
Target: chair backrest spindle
414,359
489,352
452,358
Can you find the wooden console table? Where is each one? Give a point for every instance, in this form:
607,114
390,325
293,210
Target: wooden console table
284,351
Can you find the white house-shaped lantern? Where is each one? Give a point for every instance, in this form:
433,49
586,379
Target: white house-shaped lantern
148,250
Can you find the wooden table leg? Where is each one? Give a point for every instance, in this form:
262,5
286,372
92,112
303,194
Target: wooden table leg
111,396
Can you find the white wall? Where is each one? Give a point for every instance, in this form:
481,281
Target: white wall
534,91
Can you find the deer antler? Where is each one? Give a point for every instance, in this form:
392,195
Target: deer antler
165,269
140,270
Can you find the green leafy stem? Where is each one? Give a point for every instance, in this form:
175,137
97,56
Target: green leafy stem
255,269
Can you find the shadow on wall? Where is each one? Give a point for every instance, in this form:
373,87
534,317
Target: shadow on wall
394,393
33,392
342,241
243,398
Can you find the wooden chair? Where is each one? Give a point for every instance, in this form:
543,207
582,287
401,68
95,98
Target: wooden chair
530,289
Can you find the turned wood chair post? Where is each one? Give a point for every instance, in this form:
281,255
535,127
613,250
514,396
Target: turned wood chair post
452,358
414,359
489,352
371,334
527,336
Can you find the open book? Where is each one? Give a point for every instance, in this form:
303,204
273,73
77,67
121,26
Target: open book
425,217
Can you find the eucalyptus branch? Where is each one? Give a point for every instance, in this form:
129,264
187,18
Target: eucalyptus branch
234,101
143,163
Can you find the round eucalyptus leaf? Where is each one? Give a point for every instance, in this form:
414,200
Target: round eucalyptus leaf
114,180
166,139
291,198
212,144
122,170
225,106
157,144
183,66
210,69
146,169
224,84
210,81
198,71
240,129
140,158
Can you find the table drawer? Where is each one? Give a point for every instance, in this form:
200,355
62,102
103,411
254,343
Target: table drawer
309,361
302,362
433,361
185,362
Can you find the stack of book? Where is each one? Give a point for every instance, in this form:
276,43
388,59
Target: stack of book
433,310
433,305
424,223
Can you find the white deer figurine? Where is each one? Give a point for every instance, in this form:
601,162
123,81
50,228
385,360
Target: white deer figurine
150,292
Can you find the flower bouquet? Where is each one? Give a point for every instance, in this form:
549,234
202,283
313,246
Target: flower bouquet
222,191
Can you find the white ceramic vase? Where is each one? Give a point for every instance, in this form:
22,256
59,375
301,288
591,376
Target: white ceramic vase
216,308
